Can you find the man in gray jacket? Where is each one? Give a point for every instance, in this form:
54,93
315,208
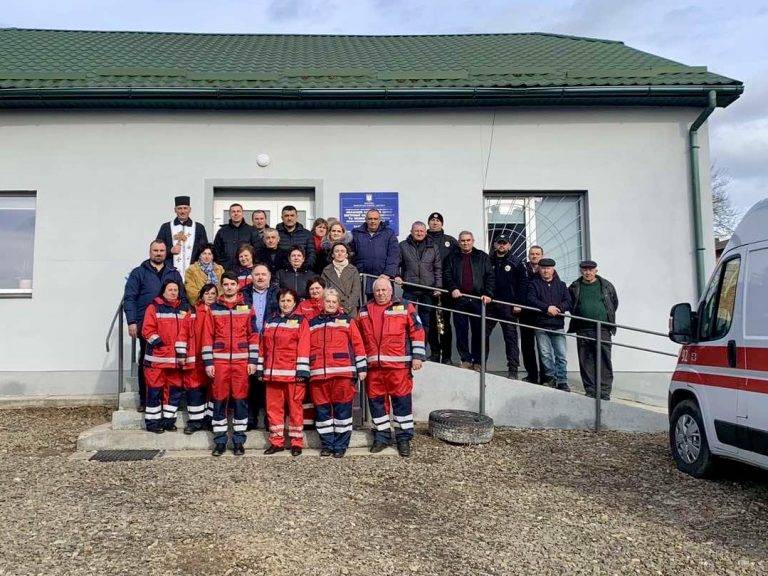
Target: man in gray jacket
420,263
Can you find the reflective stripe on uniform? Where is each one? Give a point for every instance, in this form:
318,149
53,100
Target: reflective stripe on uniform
279,373
332,370
160,359
383,358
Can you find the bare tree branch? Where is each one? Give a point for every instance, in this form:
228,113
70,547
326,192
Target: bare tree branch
724,215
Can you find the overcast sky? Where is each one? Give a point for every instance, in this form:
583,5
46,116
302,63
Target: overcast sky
729,37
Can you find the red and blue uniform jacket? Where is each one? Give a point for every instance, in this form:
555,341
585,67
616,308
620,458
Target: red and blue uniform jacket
336,348
285,348
168,328
228,336
393,336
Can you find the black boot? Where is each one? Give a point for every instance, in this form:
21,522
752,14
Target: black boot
325,452
404,448
238,449
295,451
377,447
219,449
339,454
274,450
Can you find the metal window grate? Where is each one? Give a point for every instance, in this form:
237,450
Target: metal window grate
555,221
124,455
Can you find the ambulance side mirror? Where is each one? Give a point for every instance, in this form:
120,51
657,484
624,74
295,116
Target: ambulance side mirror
682,324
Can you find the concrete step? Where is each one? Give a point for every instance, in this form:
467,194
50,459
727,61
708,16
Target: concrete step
133,420
128,401
103,437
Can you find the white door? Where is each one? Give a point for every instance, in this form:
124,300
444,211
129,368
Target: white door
715,357
270,200
755,395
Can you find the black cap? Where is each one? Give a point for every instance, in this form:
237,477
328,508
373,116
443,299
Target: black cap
587,264
546,262
182,201
502,238
436,215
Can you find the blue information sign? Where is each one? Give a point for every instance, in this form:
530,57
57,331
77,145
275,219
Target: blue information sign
354,205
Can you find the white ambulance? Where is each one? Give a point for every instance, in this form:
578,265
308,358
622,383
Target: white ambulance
718,397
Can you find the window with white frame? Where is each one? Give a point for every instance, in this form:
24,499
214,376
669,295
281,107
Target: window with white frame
555,221
17,238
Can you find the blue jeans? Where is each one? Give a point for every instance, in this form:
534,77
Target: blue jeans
551,347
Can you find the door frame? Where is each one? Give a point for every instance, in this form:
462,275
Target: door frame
211,184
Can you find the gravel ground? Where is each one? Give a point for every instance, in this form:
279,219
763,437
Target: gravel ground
531,502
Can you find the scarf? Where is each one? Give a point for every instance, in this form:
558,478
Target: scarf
209,271
339,266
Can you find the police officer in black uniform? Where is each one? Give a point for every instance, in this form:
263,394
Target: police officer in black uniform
511,286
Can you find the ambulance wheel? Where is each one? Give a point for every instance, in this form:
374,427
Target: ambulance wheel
460,427
688,440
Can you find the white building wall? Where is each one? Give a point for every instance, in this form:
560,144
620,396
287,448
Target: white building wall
105,182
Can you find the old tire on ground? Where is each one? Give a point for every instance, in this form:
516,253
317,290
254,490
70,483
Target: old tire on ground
460,426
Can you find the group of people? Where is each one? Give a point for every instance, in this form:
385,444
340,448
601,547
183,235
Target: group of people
233,327
271,320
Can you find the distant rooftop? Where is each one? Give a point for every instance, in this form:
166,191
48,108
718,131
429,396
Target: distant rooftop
60,65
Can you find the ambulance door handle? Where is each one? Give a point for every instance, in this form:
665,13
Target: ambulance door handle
732,353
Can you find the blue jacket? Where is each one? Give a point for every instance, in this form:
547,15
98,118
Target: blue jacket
143,286
272,305
542,295
377,253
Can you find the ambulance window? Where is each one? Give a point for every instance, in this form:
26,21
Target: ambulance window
717,310
756,310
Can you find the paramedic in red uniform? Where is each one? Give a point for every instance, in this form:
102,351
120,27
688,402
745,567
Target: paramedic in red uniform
230,352
336,356
394,345
166,321
284,366
310,307
198,385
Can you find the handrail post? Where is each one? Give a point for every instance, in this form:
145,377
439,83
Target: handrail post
598,374
482,357
120,353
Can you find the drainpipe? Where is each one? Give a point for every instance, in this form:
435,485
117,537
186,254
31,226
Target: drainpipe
693,149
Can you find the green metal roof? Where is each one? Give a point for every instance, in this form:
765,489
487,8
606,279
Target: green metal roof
77,66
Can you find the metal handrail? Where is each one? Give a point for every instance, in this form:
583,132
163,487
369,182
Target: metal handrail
115,318
597,339
118,319
525,307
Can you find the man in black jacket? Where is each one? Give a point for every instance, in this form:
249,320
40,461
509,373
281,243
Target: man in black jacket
271,255
183,238
420,263
292,233
528,335
550,295
594,297
439,334
511,286
231,236
468,271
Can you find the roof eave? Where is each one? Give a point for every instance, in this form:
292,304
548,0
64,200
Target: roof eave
254,98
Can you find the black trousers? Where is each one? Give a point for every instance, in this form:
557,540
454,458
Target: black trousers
441,345
142,380
425,312
529,349
508,331
469,349
587,366
257,402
